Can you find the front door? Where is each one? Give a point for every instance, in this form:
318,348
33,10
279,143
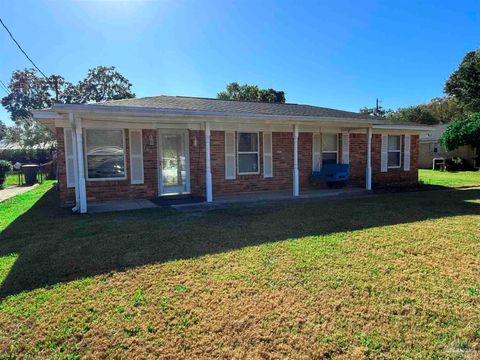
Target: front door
173,164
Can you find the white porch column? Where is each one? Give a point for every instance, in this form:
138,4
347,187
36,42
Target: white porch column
75,161
368,184
208,170
295,161
82,192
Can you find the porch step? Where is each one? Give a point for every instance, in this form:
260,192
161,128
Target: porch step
178,200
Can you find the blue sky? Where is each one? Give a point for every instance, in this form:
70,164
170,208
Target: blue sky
340,54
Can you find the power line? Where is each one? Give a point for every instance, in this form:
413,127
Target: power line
23,51
5,87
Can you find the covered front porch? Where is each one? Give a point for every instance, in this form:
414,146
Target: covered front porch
317,159
182,203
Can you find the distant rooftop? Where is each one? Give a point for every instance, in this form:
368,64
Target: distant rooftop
233,106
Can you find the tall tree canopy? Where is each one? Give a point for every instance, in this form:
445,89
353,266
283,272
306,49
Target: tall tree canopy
462,132
437,111
246,92
416,114
29,91
102,83
464,83
3,129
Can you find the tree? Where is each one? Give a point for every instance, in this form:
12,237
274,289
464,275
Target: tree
246,92
445,109
437,111
28,133
464,83
417,114
29,91
102,83
462,132
378,110
3,129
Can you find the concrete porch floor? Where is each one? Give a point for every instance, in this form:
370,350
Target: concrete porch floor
224,200
96,207
269,196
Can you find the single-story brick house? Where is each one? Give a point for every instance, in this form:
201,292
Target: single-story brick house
165,145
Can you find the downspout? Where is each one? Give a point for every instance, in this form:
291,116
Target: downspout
80,176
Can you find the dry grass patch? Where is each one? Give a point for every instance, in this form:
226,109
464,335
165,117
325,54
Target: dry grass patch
388,276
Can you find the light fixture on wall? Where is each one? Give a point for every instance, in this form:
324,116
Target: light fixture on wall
150,140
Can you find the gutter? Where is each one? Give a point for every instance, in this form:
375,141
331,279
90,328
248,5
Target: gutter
402,127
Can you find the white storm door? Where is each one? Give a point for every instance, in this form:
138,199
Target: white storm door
174,163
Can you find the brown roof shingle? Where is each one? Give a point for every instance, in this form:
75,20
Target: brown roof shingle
234,106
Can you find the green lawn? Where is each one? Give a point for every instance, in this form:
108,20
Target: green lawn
383,276
11,180
450,179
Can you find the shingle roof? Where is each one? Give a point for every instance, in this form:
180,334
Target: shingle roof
234,106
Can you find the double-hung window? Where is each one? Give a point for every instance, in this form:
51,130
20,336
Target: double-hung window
105,154
394,151
329,148
248,153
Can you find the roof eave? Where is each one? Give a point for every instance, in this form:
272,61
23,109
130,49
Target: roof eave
153,112
402,127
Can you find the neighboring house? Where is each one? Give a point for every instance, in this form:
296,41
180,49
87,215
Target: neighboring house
430,148
165,145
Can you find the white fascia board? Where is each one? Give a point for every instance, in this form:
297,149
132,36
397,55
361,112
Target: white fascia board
46,114
198,114
402,127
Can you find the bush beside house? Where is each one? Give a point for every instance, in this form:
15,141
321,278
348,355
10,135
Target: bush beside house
5,167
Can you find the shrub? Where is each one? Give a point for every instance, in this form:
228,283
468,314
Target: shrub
457,164
26,156
5,167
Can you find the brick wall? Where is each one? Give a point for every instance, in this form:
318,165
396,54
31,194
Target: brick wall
197,162
282,158
114,189
358,159
282,148
358,162
394,177
67,195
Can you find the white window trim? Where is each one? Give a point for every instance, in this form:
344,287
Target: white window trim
135,182
318,153
85,156
234,156
248,152
394,151
328,151
267,153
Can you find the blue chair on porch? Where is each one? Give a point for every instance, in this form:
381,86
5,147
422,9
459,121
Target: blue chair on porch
332,173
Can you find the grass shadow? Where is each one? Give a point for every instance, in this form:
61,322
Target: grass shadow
54,245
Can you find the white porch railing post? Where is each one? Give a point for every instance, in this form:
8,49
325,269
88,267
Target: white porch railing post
296,191
208,170
82,191
368,184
